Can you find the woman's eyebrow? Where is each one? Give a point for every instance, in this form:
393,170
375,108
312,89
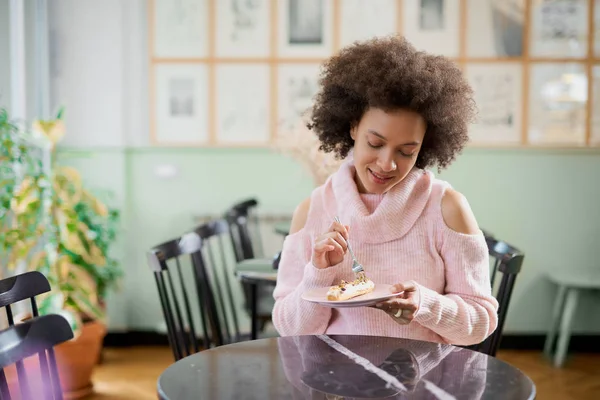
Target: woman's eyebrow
383,138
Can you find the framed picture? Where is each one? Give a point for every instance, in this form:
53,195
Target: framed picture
243,104
305,28
180,28
297,86
365,19
559,28
499,26
596,32
557,103
433,25
243,28
181,103
595,123
498,94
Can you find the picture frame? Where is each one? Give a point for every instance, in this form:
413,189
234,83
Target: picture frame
559,29
305,28
297,85
180,106
500,28
557,104
179,28
595,117
498,95
243,29
364,19
433,25
243,104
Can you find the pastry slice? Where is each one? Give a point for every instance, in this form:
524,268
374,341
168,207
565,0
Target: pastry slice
348,290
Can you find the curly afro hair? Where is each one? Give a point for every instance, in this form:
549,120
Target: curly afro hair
389,73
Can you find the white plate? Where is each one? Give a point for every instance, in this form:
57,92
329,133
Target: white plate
380,293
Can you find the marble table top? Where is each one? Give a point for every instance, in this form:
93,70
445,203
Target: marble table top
342,367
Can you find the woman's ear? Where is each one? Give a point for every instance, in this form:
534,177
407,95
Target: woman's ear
353,132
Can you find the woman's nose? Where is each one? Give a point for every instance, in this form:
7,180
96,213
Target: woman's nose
387,164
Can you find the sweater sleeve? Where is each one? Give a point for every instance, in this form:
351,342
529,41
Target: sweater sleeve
466,313
291,314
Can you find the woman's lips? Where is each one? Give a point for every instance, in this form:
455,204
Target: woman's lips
380,179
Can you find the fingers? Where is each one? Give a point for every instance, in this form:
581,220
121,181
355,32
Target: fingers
337,227
409,286
396,304
328,244
335,239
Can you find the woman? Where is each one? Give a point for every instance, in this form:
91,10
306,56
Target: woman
391,111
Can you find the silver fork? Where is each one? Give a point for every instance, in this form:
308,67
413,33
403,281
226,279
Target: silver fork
357,268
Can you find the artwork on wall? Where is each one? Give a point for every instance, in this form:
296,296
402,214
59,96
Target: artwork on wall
557,104
181,103
596,34
498,94
243,104
305,28
559,28
595,123
180,28
499,26
364,19
433,25
242,72
243,29
297,84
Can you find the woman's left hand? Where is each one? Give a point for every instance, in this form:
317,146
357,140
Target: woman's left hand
403,307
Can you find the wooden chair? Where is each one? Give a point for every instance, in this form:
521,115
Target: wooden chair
38,336
507,261
180,321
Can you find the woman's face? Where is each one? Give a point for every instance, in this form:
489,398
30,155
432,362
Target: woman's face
386,146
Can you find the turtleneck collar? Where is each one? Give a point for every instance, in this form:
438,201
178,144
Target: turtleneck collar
392,219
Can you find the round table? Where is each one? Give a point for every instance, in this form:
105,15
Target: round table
336,367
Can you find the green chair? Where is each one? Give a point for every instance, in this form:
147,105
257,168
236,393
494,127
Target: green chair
570,285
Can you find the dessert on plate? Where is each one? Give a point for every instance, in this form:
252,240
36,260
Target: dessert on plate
347,290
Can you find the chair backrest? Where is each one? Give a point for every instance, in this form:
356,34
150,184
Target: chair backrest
21,287
216,253
38,335
181,324
507,261
245,229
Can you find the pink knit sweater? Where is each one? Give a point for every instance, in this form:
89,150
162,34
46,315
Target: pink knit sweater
397,237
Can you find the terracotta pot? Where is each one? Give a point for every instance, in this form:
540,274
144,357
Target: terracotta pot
76,360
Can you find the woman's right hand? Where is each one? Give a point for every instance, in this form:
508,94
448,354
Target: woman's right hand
330,248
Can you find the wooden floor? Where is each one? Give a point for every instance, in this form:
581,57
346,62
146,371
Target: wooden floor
131,373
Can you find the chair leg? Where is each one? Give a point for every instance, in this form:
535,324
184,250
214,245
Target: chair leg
555,320
565,327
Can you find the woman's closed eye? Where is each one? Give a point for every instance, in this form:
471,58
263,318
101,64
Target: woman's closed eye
374,145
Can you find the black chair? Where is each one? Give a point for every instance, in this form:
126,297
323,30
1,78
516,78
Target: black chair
38,336
215,247
242,222
506,260
22,287
245,229
181,325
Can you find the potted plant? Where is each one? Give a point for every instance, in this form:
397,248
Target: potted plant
24,186
75,257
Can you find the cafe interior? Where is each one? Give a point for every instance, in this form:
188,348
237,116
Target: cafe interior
155,160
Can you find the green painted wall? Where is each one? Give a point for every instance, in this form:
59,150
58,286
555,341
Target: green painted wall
543,201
